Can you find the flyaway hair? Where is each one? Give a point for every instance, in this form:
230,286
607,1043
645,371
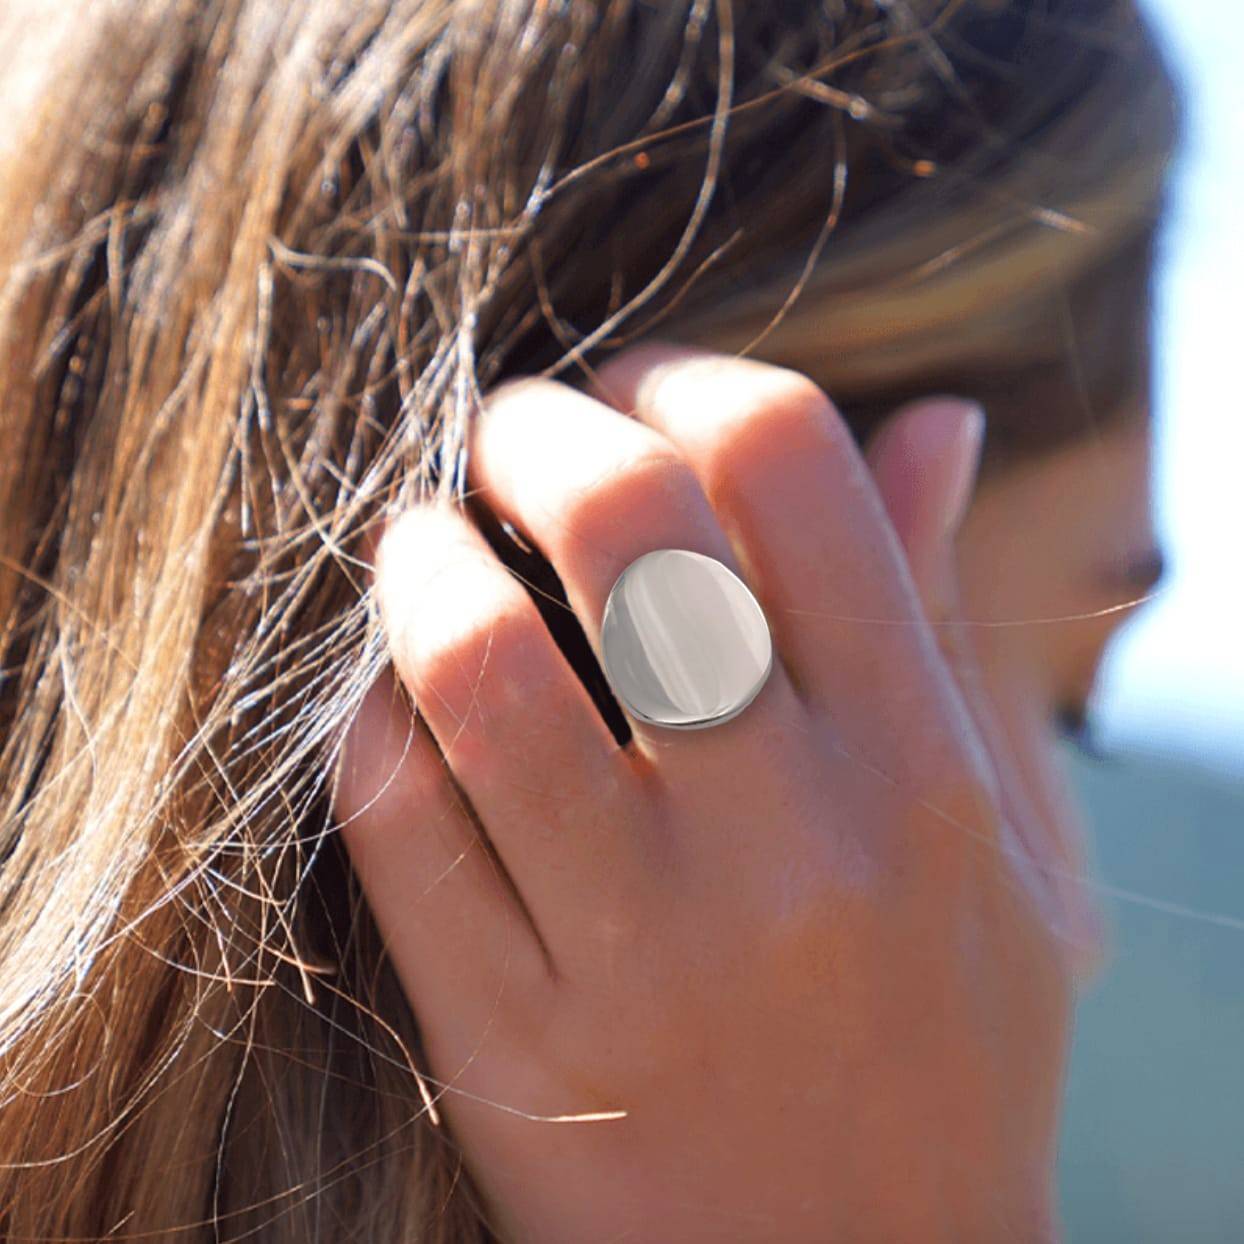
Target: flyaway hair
258,260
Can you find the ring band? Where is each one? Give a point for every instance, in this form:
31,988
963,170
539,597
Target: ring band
684,642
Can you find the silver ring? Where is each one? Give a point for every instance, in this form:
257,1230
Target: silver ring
685,644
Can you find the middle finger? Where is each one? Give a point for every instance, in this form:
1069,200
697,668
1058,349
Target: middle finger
594,490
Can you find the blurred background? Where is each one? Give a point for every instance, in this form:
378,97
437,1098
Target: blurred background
1153,1140
1176,679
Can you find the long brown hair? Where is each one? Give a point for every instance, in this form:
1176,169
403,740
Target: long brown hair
257,261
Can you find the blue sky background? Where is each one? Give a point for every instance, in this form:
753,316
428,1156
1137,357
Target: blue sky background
1174,679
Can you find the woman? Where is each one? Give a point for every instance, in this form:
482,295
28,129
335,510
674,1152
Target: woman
321,347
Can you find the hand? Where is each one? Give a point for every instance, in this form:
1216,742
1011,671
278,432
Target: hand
798,962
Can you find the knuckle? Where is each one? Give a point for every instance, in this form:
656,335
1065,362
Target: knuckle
467,641
949,815
808,946
781,414
794,397
464,670
619,939
385,765
655,480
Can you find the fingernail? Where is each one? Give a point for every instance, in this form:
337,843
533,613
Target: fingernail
960,465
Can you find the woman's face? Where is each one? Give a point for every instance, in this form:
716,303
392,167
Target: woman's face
1050,556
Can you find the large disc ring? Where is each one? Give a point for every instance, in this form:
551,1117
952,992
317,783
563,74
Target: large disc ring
685,643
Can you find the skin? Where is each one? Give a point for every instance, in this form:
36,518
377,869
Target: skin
1061,551
823,956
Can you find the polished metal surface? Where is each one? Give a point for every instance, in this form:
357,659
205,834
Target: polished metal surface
684,641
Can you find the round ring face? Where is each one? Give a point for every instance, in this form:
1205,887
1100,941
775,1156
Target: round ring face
685,643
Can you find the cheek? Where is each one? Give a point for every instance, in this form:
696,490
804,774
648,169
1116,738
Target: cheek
1036,638
1027,665
1013,559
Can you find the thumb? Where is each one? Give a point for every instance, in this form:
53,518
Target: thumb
924,460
